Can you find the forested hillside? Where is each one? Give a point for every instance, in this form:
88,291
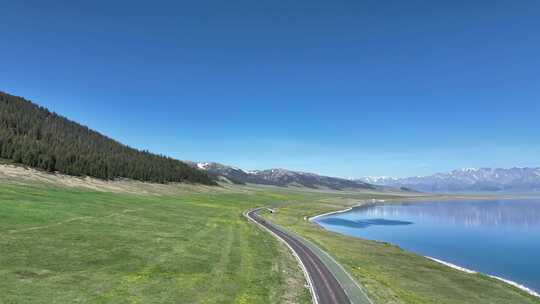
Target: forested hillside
34,136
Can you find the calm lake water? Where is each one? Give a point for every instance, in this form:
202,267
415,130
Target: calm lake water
496,237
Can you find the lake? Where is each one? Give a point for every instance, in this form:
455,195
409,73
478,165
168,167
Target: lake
495,237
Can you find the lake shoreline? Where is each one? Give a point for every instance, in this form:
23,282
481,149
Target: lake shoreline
363,203
510,282
374,202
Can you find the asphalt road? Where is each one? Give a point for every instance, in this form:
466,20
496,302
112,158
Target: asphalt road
326,288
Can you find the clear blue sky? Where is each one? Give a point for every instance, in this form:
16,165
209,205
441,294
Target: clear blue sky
345,88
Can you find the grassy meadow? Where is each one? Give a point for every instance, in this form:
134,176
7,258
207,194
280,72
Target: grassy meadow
62,245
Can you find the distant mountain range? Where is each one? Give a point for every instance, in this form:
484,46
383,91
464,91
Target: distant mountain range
280,177
468,179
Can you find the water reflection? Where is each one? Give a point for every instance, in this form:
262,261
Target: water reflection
524,214
363,223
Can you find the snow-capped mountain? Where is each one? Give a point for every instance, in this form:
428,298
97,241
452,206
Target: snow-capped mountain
468,179
378,180
279,177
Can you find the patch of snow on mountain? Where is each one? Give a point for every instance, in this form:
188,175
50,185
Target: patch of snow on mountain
203,166
469,169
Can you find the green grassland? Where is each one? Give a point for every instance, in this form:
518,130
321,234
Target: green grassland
70,245
392,275
61,245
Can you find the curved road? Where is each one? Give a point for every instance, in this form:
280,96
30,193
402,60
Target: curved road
325,287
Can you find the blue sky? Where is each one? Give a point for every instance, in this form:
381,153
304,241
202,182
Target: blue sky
344,88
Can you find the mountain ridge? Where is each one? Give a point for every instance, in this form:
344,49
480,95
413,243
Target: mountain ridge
280,177
468,179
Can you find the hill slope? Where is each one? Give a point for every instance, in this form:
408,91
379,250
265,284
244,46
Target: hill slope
469,179
34,136
280,177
